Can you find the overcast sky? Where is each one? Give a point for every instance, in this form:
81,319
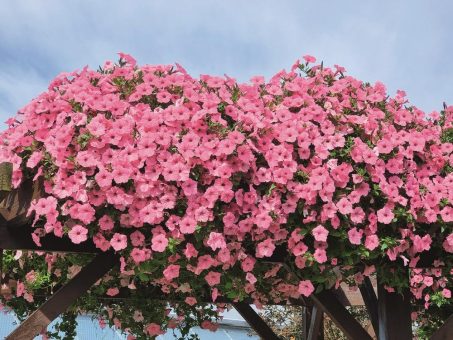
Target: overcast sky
405,44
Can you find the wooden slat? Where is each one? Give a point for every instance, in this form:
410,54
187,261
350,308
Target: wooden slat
394,315
316,323
255,321
445,332
329,304
306,317
64,297
371,303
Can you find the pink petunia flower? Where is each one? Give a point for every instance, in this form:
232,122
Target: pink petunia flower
216,241
306,288
159,243
320,233
118,241
78,234
171,272
385,215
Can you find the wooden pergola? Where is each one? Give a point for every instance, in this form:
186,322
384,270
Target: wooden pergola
389,312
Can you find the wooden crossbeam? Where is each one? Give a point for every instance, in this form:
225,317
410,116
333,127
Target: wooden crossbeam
445,332
19,238
327,302
255,321
64,297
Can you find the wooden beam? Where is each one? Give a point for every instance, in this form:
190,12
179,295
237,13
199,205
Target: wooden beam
255,321
394,312
371,302
64,297
445,332
316,324
19,238
327,302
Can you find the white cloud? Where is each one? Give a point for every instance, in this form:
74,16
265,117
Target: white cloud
400,43
17,87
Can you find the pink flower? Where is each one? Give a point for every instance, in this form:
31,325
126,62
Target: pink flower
355,236
216,241
371,242
263,220
357,215
190,300
44,206
154,329
248,263
309,58
422,243
159,243
447,214
105,223
446,293
112,291
78,234
344,206
320,255
265,248
138,316
250,278
320,233
139,255
34,159
104,178
385,215
83,212
206,324
306,288
137,238
187,225
171,272
212,278
190,251
118,241
20,289
428,280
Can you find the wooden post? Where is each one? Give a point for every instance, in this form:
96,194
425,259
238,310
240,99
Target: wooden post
255,321
64,297
445,332
316,325
394,315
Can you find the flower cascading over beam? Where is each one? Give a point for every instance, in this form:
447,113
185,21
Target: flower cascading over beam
196,183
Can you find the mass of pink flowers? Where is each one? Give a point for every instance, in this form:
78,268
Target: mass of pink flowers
198,183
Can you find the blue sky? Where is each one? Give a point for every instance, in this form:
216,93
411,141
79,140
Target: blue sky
405,44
